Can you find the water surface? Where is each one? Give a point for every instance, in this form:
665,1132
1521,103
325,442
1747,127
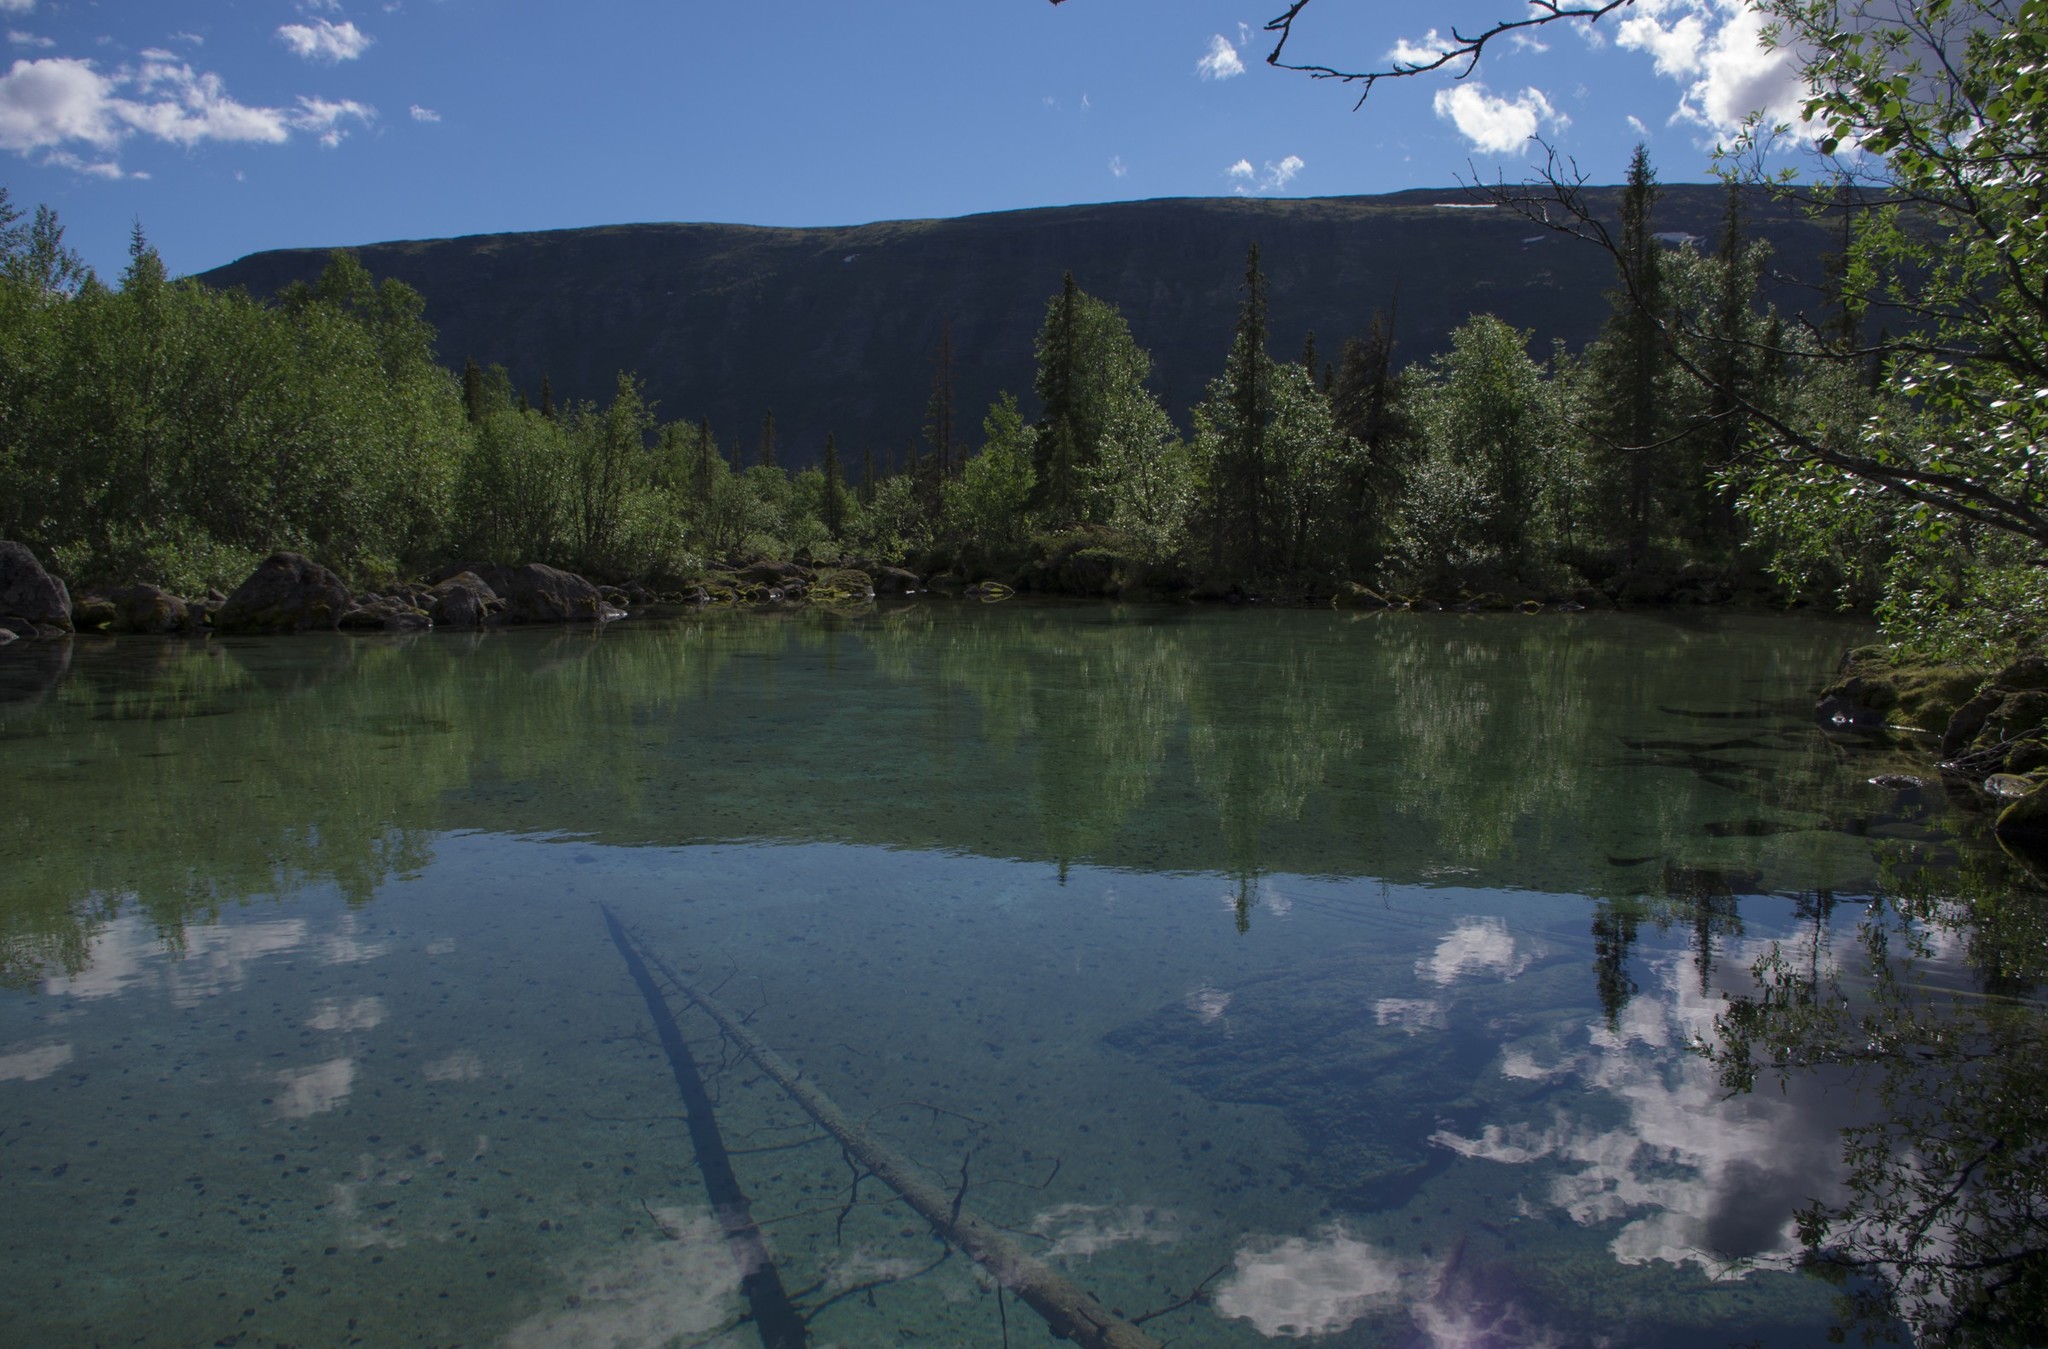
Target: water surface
1270,974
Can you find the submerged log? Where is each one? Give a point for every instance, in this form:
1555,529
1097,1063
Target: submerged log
1071,1313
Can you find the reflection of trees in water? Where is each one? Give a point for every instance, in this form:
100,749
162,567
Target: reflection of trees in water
178,778
1095,702
1263,734
1935,1007
1240,742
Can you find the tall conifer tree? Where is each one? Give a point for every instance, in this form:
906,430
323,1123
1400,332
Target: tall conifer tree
832,504
938,412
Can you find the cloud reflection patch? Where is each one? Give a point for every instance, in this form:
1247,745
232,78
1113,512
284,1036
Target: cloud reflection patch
1693,1175
304,1092
1474,948
1084,1229
1302,1286
681,1288
26,1065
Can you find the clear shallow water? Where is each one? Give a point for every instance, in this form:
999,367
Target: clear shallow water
1340,969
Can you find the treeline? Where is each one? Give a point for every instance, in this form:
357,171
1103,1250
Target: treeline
159,430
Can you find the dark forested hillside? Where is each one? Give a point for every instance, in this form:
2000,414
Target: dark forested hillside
837,329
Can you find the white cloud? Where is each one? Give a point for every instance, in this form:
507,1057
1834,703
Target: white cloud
1418,51
16,6
1715,50
1635,124
420,114
321,40
1117,167
21,39
325,117
1493,124
1222,60
192,38
1270,178
48,102
59,103
91,168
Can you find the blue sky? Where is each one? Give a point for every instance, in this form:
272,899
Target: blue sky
230,126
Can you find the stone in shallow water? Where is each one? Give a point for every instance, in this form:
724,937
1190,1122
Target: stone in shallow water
29,592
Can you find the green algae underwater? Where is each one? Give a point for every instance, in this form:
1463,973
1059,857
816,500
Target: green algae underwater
1359,979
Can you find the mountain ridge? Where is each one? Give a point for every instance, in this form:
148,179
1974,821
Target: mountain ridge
837,327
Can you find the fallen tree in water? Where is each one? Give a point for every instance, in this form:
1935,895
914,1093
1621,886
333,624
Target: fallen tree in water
1070,1312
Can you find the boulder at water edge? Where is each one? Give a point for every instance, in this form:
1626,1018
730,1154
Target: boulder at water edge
463,601
538,593
288,593
30,593
148,608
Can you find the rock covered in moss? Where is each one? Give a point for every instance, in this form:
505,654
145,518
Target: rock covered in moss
288,593
1873,689
2025,820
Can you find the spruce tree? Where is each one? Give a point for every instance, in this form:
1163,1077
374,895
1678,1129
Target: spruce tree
1059,348
473,391
547,398
1241,536
832,505
867,477
705,450
938,412
1630,371
768,439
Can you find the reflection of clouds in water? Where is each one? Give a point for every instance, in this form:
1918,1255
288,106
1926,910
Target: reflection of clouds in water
215,959
346,945
461,1066
304,1092
1476,946
1414,1015
1207,1003
682,1287
26,1065
355,1014
1320,1285
1302,1287
1276,903
1521,1065
1703,1178
1084,1229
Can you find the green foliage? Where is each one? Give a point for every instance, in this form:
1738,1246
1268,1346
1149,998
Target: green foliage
1939,109
987,506
1489,429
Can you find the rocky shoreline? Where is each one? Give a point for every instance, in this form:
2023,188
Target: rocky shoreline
1989,727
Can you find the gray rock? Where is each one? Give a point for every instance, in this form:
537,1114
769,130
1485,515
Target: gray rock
462,601
896,581
149,609
27,591
538,593
288,593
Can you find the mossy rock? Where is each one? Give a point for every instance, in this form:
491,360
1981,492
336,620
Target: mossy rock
1875,689
2025,821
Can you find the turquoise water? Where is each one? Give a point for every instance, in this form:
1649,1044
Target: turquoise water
1267,974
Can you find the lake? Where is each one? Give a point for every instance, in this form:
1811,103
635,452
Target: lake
1266,974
